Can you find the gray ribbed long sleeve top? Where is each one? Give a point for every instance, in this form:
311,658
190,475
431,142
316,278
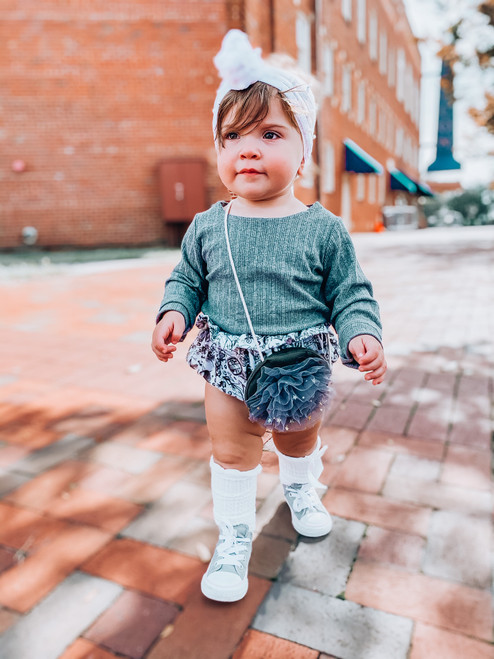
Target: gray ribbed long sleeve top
295,272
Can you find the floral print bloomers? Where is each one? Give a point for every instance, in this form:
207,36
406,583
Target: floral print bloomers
227,360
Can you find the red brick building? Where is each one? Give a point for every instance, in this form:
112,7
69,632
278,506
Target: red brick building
96,94
369,65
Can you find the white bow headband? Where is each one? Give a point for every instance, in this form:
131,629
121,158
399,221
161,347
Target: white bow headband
240,65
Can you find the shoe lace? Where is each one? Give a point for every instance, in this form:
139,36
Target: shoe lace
231,549
304,498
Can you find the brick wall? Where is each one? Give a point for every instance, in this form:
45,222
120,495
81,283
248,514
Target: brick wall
336,123
92,99
95,93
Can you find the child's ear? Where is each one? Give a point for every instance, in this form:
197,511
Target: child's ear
300,170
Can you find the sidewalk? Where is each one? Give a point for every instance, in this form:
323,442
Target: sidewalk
106,516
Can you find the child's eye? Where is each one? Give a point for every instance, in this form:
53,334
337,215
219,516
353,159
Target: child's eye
270,135
231,135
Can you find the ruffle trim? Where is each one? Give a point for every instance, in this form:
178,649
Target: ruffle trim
268,343
291,398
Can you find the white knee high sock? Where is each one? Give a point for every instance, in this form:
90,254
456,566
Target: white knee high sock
302,470
234,495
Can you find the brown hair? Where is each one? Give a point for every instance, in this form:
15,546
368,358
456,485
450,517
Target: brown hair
250,106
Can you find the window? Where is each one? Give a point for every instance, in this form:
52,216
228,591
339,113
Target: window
303,39
413,153
361,103
346,103
390,134
400,75
361,20
372,189
416,99
382,189
381,136
328,182
399,142
391,68
373,36
383,52
410,90
407,92
414,96
406,150
346,9
360,195
328,69
372,117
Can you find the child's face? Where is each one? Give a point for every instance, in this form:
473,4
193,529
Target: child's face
260,163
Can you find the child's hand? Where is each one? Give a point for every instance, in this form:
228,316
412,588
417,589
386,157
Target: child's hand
170,329
368,352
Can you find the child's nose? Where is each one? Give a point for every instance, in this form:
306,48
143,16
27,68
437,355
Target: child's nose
249,148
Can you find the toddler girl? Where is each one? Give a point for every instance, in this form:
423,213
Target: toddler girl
299,276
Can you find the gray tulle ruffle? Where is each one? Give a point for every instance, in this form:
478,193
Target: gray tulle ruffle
292,397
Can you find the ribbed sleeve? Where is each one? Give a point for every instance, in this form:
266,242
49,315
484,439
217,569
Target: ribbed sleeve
349,293
186,289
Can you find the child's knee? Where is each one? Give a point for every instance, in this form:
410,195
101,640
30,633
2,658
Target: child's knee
298,443
236,448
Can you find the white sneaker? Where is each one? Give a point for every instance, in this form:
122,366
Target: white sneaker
309,516
226,576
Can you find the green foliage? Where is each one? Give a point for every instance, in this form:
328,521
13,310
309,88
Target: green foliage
472,205
467,207
432,205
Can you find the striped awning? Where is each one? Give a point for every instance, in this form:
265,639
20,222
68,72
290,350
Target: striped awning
423,190
400,181
359,161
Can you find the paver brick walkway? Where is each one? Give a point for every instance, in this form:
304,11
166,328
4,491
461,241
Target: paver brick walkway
106,516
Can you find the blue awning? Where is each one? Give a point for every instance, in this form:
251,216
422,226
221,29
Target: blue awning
423,190
359,161
400,181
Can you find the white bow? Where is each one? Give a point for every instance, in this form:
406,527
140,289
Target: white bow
240,65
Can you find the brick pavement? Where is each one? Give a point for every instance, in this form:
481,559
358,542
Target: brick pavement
105,512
